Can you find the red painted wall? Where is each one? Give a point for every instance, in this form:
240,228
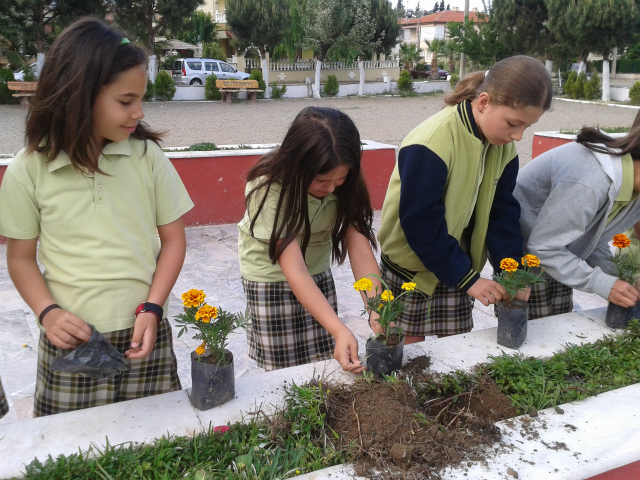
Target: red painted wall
216,184
627,472
542,144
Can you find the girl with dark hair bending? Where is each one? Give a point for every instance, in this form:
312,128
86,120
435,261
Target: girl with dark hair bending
450,197
94,185
574,199
306,204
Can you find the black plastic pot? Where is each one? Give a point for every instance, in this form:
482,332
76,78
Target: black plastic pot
512,322
212,385
619,317
383,359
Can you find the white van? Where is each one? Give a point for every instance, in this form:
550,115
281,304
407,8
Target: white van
194,71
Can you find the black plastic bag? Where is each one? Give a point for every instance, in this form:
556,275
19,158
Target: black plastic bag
95,358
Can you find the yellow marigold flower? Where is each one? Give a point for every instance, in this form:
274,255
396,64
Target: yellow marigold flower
509,265
200,350
408,286
193,298
621,241
530,260
387,296
206,312
363,284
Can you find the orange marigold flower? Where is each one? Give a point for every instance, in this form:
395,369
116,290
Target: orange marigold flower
193,298
206,312
509,265
621,241
200,350
530,260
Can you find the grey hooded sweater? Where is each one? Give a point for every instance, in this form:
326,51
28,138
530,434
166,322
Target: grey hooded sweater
565,196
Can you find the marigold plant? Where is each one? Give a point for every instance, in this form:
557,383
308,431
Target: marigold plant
384,304
627,266
213,325
514,279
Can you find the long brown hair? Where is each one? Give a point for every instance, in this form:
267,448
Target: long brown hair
598,141
86,56
318,141
517,82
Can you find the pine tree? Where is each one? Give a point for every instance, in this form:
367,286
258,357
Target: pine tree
441,6
145,20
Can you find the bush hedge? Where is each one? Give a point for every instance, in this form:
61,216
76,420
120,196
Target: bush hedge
256,74
331,86
6,95
211,92
165,87
405,83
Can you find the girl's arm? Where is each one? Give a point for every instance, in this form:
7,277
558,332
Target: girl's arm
64,329
363,263
173,248
309,295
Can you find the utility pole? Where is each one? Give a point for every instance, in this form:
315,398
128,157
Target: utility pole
463,57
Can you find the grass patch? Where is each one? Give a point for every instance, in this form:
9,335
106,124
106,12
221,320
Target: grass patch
604,129
208,147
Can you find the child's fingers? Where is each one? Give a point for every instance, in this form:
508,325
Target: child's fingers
58,342
144,336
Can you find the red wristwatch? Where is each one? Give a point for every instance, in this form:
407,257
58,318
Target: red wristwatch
151,308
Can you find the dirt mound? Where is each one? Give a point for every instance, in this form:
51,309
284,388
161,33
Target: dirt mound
392,431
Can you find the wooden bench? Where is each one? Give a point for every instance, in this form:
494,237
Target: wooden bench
24,89
227,87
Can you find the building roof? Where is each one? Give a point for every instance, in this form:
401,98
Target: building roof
446,16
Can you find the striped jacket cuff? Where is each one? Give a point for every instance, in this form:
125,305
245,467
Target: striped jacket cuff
468,280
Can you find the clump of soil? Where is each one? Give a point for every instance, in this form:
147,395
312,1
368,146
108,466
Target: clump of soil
393,431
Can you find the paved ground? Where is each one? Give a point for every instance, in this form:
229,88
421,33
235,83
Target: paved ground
379,118
212,262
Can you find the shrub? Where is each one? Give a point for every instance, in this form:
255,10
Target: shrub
578,88
211,92
150,93
6,95
634,93
592,87
29,76
453,81
256,74
276,92
405,83
422,67
331,86
165,87
570,84
214,51
167,63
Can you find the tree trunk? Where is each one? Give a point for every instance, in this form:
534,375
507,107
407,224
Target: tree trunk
39,19
614,67
316,85
606,91
452,65
361,69
434,66
549,66
265,75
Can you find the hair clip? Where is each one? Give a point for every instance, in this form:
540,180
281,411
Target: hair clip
124,41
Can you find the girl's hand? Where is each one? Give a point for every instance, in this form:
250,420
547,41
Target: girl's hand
346,352
65,329
144,336
624,294
374,324
487,291
524,294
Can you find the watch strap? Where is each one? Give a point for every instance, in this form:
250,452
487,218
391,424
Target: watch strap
154,308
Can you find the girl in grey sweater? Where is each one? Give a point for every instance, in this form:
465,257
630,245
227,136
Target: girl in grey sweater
573,199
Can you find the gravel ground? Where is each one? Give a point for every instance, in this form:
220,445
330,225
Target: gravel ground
379,118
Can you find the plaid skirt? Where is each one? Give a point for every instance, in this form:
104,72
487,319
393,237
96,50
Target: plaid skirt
550,298
4,404
282,333
446,312
63,392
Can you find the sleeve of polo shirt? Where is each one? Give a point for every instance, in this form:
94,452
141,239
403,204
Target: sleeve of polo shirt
19,210
263,225
172,199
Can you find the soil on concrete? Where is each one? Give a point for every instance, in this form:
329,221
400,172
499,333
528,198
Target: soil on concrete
393,431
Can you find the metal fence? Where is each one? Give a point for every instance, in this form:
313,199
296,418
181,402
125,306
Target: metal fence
310,64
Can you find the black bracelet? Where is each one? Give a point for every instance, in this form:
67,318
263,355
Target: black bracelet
47,310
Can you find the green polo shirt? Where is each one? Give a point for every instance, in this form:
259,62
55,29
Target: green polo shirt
626,194
253,248
98,239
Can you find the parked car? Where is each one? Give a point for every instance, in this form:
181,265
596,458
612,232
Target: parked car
442,74
18,75
194,71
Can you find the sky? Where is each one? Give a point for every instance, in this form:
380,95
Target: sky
428,4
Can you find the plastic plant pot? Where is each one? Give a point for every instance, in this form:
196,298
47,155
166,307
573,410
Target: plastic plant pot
619,317
512,322
212,385
384,359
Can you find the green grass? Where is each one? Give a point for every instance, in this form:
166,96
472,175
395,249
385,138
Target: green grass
604,129
207,147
